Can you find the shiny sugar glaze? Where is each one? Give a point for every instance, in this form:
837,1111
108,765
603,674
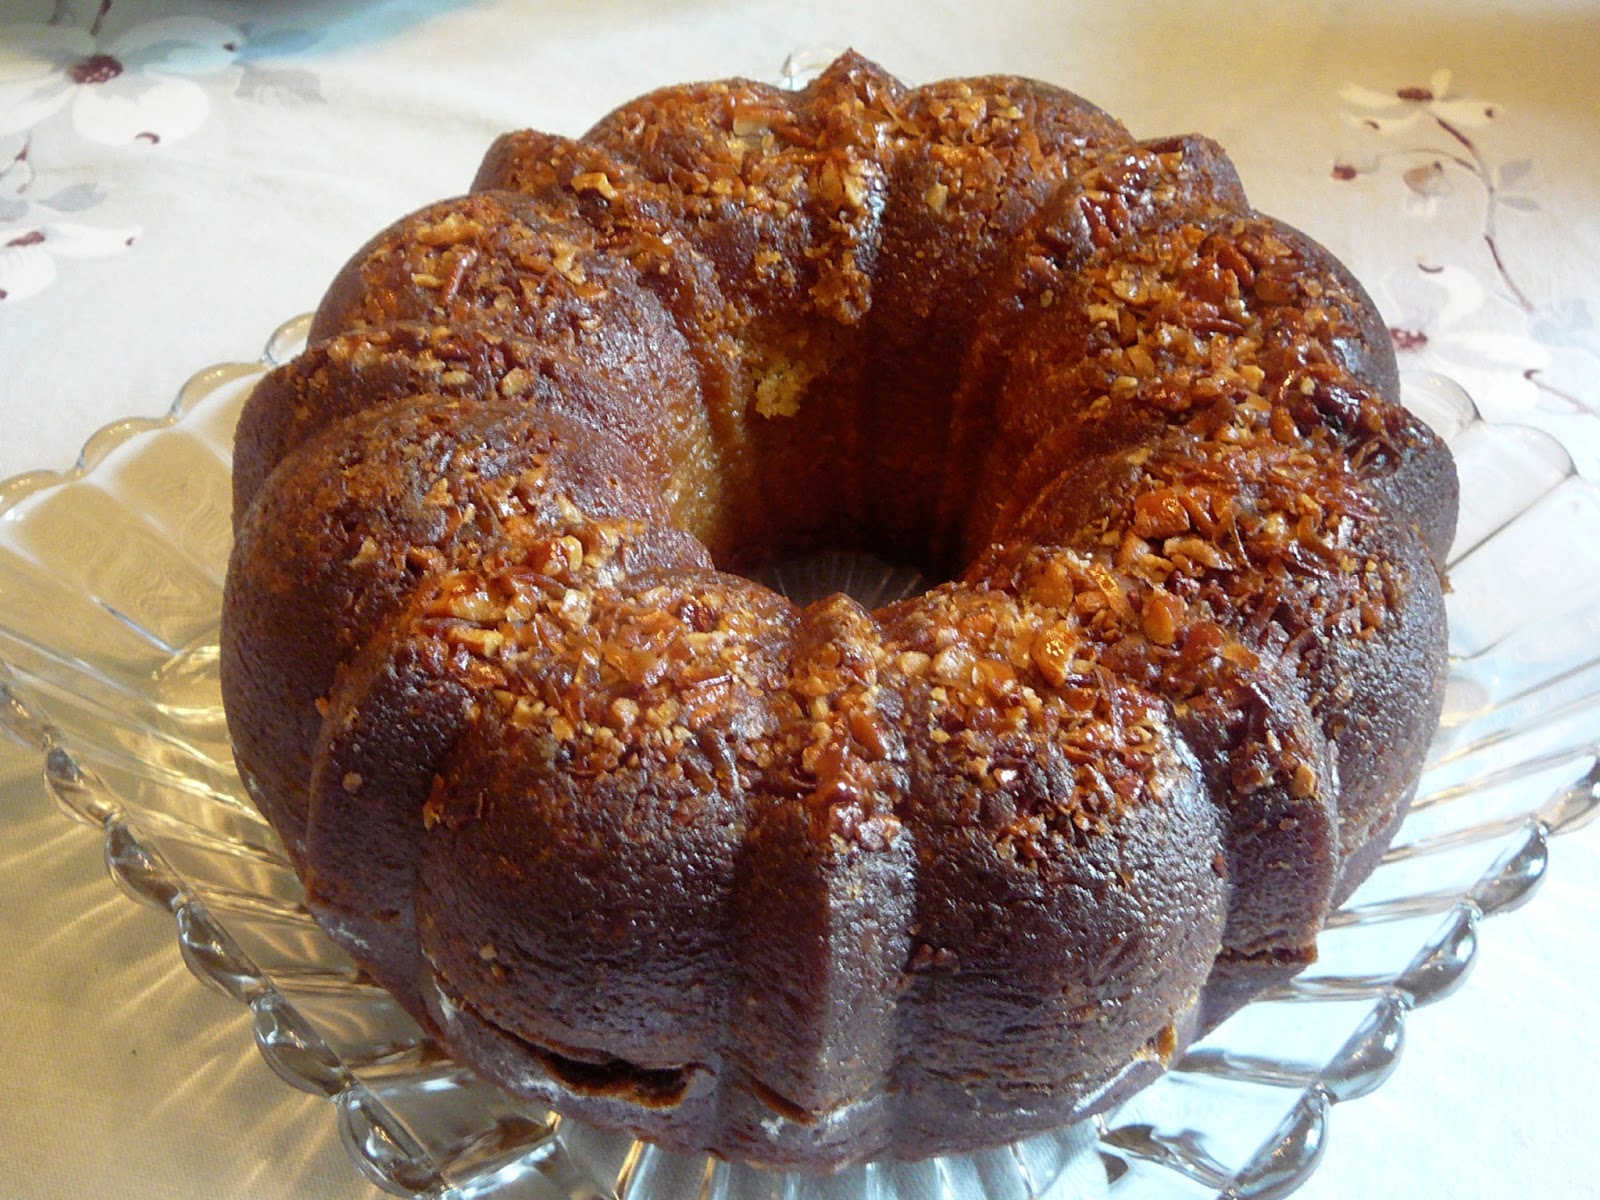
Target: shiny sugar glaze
639,838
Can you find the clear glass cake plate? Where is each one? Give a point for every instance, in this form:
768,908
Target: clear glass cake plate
110,588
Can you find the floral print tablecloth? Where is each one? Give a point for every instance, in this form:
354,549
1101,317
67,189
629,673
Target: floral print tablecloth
178,176
138,136
1474,295
72,94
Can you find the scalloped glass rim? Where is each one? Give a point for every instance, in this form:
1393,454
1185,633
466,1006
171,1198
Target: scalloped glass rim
113,682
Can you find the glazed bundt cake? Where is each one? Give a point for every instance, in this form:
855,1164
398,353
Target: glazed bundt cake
639,838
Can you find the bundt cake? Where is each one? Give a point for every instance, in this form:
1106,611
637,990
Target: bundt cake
639,838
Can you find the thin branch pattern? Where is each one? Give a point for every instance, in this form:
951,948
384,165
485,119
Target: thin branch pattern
1472,162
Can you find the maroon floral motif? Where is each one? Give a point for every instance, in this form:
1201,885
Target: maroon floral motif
97,68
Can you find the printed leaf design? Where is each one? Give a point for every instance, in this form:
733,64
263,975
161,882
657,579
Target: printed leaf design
278,85
1515,171
76,198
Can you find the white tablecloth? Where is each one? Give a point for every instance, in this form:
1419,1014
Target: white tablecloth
178,177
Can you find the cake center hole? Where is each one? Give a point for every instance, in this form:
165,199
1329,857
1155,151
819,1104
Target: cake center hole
867,579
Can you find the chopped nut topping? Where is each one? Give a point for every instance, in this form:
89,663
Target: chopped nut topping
1162,612
913,663
516,382
1052,654
595,181
1160,514
1303,782
453,228
367,554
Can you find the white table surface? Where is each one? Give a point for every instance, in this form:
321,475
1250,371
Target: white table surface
171,215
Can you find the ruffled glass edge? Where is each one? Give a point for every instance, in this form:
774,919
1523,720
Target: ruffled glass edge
110,587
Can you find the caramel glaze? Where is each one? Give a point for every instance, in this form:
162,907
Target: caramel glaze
636,836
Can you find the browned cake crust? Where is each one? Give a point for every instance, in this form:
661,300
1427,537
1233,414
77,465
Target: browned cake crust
638,837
